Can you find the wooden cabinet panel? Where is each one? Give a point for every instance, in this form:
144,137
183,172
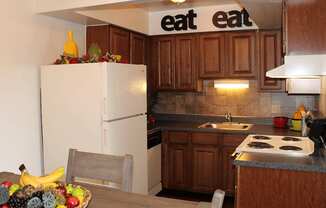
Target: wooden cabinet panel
166,63
275,188
242,54
179,137
205,138
99,35
305,26
233,140
270,57
178,163
137,48
186,68
205,168
229,170
212,61
120,43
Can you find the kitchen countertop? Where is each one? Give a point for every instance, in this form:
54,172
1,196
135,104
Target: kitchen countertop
316,163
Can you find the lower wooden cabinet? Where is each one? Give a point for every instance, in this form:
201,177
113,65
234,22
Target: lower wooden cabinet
205,164
199,162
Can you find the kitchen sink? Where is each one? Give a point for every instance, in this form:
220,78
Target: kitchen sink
227,126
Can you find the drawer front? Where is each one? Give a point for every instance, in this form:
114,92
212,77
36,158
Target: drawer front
178,137
205,138
233,140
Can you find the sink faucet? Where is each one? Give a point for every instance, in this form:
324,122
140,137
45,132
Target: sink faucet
228,117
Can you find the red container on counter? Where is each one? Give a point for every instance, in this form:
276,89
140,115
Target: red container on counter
280,122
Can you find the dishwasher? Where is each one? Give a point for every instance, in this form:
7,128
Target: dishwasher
154,151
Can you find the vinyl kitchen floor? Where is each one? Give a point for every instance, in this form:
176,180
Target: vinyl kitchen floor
228,201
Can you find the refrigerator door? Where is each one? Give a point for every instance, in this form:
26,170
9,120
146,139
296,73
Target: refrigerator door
71,111
125,91
129,136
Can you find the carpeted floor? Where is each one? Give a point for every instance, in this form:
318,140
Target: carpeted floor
228,201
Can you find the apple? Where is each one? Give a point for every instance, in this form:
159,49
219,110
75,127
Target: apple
62,190
4,206
6,184
72,202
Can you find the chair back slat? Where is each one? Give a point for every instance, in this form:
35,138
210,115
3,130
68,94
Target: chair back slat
114,169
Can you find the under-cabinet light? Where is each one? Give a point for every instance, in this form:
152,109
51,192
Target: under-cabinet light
231,84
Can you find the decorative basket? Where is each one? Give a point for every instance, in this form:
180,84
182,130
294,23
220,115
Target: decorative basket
87,199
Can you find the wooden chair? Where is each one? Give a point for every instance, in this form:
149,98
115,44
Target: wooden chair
109,168
217,201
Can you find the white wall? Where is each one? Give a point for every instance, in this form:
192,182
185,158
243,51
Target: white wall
134,19
203,21
26,41
51,5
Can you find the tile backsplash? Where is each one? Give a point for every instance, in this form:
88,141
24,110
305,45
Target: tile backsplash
322,99
239,102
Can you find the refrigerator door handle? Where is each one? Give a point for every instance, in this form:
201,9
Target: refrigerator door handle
104,110
126,117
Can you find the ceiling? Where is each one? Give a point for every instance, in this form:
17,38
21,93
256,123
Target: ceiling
163,5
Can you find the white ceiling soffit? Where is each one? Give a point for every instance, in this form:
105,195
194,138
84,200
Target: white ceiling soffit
267,14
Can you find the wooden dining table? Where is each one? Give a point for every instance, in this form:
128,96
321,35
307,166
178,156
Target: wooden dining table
103,197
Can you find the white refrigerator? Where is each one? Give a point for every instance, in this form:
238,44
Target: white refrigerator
97,107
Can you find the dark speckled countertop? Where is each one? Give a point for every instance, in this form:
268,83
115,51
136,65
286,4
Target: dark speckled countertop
264,126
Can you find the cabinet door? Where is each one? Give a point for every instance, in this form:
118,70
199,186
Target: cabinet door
120,43
165,63
270,58
178,162
212,58
242,54
229,170
205,168
99,35
186,62
137,48
305,27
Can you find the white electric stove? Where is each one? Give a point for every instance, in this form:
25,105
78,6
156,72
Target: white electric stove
286,145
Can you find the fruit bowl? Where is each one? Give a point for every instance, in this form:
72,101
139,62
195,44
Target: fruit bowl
58,196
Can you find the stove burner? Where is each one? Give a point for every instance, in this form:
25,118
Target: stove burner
260,145
291,139
258,137
292,148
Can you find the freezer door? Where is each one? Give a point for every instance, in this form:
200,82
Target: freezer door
125,91
129,136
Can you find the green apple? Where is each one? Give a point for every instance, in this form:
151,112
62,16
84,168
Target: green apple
13,188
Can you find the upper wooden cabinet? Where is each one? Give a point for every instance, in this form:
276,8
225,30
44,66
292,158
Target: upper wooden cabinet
119,43
304,26
270,49
174,59
165,63
242,54
137,48
212,62
100,35
186,64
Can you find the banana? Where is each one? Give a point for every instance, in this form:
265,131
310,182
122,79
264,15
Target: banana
47,181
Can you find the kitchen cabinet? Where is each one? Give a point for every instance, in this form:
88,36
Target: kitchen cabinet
212,62
274,188
186,63
120,43
100,35
304,23
242,54
177,158
165,52
199,162
205,161
174,60
138,44
270,56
